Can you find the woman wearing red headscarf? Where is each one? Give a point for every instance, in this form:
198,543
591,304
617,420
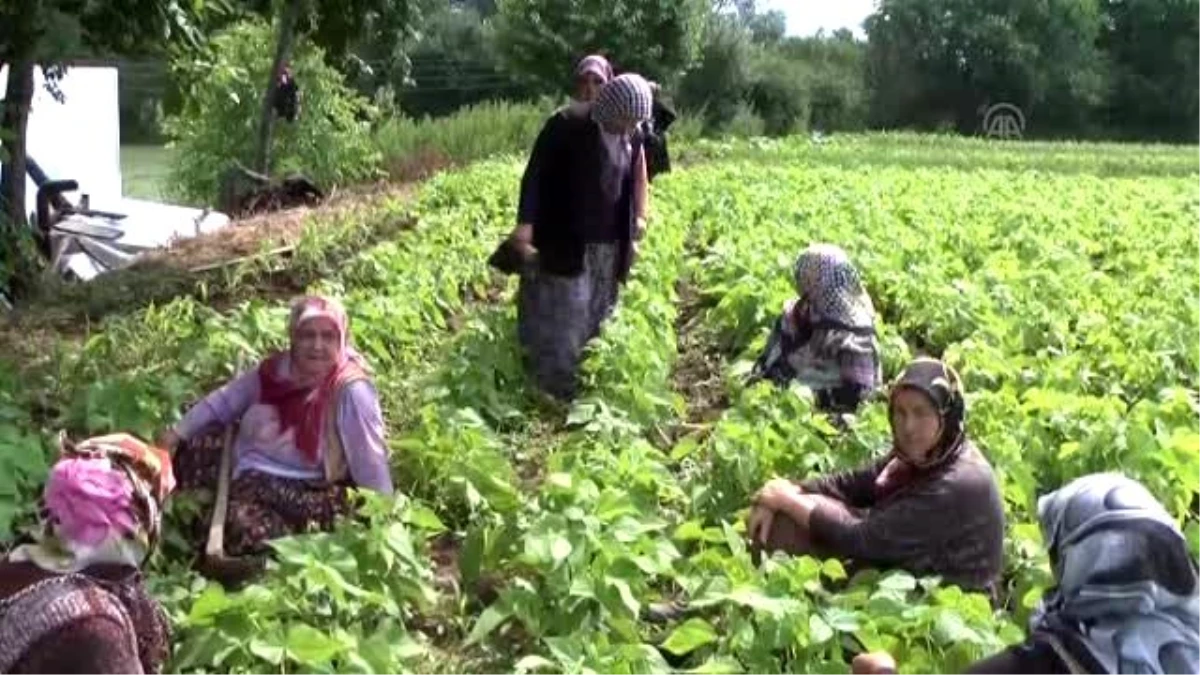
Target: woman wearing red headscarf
310,427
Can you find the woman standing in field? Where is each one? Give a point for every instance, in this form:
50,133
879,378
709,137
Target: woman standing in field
1126,600
825,338
591,73
73,600
658,157
582,212
931,506
310,427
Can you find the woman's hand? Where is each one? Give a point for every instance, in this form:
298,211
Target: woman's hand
168,440
758,524
639,228
522,238
874,663
776,493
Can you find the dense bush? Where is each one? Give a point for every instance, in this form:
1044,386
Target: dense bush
779,94
330,140
411,148
787,85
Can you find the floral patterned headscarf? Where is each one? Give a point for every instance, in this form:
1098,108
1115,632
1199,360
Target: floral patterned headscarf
102,504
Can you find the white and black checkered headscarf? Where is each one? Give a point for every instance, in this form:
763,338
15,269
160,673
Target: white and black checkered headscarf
831,284
625,100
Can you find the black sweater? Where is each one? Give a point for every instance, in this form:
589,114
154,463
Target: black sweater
565,198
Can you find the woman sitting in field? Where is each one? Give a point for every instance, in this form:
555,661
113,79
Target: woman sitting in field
1126,598
825,339
73,600
310,427
931,506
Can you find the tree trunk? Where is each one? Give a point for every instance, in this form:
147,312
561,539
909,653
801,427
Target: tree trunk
283,49
13,123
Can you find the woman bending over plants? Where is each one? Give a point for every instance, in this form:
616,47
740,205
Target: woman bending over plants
825,339
1126,598
72,600
931,506
309,428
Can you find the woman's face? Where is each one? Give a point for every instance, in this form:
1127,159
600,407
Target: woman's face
916,425
587,86
315,346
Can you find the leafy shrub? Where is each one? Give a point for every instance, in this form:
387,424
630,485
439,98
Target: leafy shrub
718,82
779,94
745,122
329,142
413,147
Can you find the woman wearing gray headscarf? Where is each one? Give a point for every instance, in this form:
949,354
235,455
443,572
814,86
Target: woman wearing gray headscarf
582,211
1126,599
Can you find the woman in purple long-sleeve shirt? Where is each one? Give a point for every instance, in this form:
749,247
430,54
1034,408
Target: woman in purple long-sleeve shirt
309,427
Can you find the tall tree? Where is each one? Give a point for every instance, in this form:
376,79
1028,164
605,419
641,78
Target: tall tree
541,39
938,61
48,33
343,28
1154,50
284,40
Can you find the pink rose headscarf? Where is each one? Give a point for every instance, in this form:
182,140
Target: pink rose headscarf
596,65
102,504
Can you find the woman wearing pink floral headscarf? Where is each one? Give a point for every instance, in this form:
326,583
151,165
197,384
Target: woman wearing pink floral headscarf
591,73
310,427
72,598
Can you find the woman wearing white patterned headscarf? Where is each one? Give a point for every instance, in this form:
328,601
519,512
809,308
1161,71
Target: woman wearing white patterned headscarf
582,211
825,338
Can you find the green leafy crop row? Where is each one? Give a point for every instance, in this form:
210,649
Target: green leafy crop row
536,537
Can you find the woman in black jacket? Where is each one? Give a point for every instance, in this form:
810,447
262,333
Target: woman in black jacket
582,210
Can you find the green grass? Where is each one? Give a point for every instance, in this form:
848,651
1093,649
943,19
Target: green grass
144,171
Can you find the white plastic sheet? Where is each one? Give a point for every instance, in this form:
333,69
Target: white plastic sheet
80,139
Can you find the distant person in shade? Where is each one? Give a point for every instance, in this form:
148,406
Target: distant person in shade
658,158
582,210
310,426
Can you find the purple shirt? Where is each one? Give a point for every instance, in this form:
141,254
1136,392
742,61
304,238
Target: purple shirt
359,426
